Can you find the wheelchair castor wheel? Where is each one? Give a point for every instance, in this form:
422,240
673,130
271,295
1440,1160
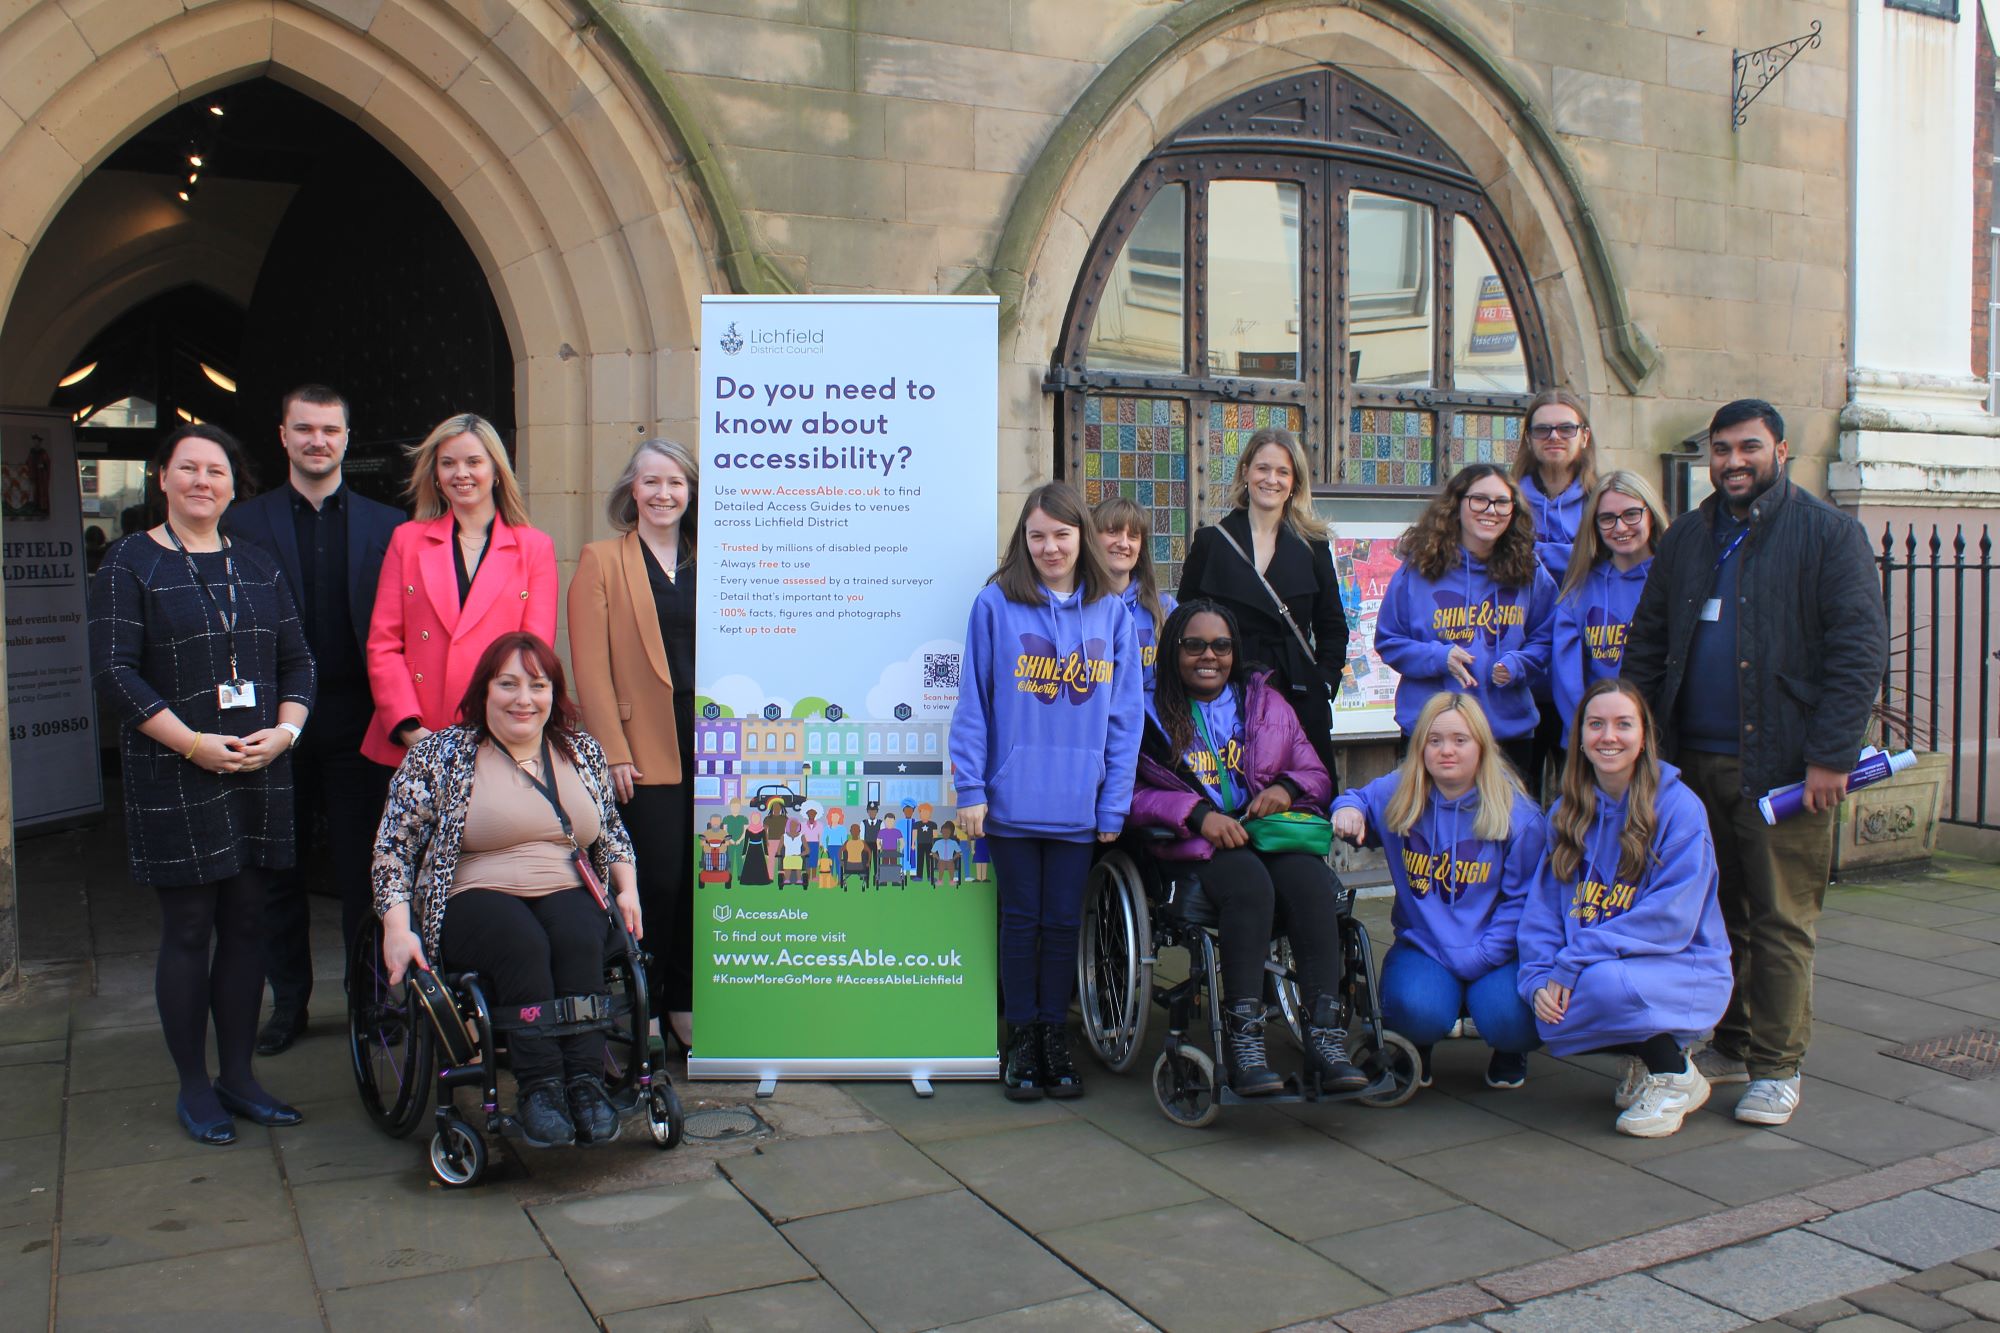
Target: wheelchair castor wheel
458,1154
1184,1086
1390,1053
663,1113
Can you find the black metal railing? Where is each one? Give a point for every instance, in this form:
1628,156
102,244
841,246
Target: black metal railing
1938,691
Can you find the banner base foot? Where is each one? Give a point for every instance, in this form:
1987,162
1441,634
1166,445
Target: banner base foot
922,1087
767,1087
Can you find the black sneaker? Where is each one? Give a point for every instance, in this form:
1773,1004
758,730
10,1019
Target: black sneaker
1506,1069
591,1111
1250,1072
544,1117
1059,1076
1021,1071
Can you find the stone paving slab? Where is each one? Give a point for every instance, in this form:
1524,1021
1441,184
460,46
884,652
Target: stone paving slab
338,1141
1916,1230
792,1307
162,1210
1883,1013
1897,938
30,1173
31,1101
1122,1106
128,1126
940,1259
1855,1060
23,1023
627,1251
1097,1311
531,1294
806,1177
956,1110
1631,1302
1419,1253
1304,1184
267,1287
1908,976
1913,1309
1982,1188
14,1054
1431,1122
1750,1167
1574,1104
1061,1175
1914,908
26,1277
110,1058
1208,1266
1980,1298
386,1228
1869,1129
1764,1278
1976,1102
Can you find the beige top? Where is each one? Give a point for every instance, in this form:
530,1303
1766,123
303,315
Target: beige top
513,843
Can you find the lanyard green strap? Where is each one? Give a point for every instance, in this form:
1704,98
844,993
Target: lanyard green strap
1221,769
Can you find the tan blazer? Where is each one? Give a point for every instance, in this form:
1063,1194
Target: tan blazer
620,662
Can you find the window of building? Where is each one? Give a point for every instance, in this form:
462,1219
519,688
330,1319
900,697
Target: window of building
729,742
708,742
874,742
854,742
750,742
1943,9
1306,255
812,742
930,742
895,742
791,742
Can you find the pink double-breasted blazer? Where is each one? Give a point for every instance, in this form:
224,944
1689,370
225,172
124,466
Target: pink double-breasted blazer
422,645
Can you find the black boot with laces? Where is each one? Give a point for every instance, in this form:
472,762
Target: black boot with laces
1250,1072
1326,1047
1059,1076
1021,1072
590,1108
544,1115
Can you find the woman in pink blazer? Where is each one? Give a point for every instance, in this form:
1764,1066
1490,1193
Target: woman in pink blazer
464,571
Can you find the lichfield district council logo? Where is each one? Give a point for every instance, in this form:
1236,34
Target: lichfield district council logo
721,912
773,342
732,341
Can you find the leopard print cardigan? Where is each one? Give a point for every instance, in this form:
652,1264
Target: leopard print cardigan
416,848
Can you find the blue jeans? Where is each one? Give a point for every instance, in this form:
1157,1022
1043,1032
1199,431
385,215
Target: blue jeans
1422,999
1041,906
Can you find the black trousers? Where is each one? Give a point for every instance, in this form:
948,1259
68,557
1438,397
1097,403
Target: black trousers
660,821
1258,894
531,951
351,791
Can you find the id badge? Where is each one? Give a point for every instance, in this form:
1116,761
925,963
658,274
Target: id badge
1712,609
236,694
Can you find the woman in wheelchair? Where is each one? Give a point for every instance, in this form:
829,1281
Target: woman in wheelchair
1463,841
1622,943
1222,747
473,841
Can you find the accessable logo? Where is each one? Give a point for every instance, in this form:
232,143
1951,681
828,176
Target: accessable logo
721,912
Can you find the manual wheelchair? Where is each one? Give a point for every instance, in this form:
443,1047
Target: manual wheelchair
399,1073
1137,906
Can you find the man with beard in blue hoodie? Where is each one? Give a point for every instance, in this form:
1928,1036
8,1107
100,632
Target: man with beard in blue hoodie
1463,842
1043,747
1622,944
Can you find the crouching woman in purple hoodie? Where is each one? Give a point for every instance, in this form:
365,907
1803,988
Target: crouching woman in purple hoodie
1042,748
1622,943
1463,841
1222,746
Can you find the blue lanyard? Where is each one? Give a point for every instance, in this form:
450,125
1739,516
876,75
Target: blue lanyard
1723,559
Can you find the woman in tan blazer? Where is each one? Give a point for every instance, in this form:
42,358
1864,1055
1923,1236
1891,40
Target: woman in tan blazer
631,641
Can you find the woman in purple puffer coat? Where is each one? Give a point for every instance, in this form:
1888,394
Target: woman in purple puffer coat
1222,746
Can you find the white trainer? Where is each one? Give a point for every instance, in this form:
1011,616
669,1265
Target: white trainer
1664,1102
1629,1083
1719,1068
1769,1101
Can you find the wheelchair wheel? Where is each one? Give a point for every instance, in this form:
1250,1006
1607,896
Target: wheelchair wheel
1282,988
1390,1051
1184,1086
458,1154
663,1113
389,1040
1114,979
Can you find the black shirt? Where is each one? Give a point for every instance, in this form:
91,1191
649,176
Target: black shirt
465,576
325,612
673,602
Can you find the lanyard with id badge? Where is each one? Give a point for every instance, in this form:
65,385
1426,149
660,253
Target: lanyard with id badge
234,692
1711,610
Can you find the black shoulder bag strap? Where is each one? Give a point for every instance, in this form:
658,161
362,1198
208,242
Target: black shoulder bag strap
546,785
1284,612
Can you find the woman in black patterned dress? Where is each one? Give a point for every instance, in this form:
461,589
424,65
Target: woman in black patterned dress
197,654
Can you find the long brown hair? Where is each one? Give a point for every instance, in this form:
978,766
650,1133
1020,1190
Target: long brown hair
1525,459
1570,826
1590,549
540,660
1433,541
1300,516
1120,513
1016,575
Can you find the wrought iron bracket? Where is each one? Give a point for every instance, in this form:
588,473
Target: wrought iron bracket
1754,71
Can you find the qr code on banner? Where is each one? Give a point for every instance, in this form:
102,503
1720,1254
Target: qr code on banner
940,671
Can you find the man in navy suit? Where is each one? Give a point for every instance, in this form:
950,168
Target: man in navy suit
329,542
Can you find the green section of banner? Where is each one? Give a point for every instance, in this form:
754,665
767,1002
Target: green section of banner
853,972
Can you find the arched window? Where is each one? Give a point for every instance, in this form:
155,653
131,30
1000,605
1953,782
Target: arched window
1307,255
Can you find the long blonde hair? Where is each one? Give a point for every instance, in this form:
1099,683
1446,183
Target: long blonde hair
1300,516
1525,461
1571,823
425,499
1590,550
1495,780
1120,513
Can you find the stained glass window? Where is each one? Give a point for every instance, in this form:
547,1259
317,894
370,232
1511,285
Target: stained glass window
1138,447
1230,426
1391,447
1482,437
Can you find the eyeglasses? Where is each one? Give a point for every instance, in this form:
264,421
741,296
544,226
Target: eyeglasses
1562,430
1192,647
1633,518
1490,504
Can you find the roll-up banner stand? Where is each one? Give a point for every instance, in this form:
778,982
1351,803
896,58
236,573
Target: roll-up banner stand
51,711
847,517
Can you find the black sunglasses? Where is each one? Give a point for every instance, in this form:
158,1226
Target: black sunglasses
1194,647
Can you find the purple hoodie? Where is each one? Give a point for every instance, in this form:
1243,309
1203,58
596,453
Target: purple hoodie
1421,621
1556,520
1047,727
1142,626
1639,958
1458,897
1589,633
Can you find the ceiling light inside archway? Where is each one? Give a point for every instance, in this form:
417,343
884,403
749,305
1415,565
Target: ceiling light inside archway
77,376
218,379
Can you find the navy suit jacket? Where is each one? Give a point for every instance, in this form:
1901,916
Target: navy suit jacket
266,521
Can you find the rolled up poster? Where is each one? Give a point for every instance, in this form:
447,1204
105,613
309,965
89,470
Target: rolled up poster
1784,802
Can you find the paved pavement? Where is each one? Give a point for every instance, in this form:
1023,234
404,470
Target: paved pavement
859,1205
